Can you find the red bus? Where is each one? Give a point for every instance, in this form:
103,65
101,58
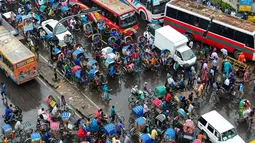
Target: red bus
224,31
117,14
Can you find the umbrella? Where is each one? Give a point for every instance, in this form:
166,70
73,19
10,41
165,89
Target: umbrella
75,68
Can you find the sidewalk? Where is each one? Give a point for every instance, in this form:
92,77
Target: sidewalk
73,95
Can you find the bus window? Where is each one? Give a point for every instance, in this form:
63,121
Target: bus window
8,64
216,28
227,32
193,20
203,23
240,37
250,41
171,12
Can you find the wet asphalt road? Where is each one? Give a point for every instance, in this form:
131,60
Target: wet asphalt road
30,96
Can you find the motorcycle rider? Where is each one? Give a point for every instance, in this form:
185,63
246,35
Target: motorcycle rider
8,113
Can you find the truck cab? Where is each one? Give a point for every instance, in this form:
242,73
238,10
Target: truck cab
167,38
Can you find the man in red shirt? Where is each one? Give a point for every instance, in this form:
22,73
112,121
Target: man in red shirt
168,97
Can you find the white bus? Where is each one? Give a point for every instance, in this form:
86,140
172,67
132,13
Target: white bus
149,9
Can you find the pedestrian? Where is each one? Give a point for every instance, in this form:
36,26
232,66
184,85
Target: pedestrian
215,64
241,58
145,109
118,127
224,53
41,111
98,54
254,86
55,71
207,51
62,102
176,67
214,54
113,113
154,134
191,44
241,87
3,90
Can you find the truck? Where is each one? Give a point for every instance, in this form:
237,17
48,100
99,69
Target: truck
167,38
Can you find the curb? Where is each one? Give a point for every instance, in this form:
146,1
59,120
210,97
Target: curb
78,112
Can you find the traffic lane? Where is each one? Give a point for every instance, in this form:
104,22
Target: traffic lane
29,97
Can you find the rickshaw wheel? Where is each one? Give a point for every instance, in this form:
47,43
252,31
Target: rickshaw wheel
131,98
131,105
131,126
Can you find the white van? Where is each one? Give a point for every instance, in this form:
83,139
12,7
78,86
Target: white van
218,129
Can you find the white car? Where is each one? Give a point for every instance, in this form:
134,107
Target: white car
61,31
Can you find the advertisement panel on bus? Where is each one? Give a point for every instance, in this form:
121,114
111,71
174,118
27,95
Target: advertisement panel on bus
116,14
225,31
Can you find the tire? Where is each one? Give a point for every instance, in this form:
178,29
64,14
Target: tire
131,105
236,53
131,98
143,16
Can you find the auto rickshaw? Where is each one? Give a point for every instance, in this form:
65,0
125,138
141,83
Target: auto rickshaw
136,113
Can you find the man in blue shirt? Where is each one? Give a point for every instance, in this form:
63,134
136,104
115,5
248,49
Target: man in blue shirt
3,90
8,112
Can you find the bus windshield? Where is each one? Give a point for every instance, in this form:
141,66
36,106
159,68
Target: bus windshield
158,9
127,20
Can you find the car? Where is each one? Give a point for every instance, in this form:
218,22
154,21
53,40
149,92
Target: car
49,25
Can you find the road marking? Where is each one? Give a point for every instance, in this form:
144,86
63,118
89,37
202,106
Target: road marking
74,85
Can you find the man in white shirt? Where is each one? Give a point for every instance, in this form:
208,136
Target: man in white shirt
224,53
191,44
226,84
54,111
214,55
145,109
41,111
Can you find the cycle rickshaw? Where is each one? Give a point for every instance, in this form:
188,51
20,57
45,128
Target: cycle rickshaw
109,130
136,113
138,126
51,101
128,40
130,66
7,131
165,59
88,29
144,138
188,131
92,64
111,67
107,52
96,41
169,136
182,116
64,11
